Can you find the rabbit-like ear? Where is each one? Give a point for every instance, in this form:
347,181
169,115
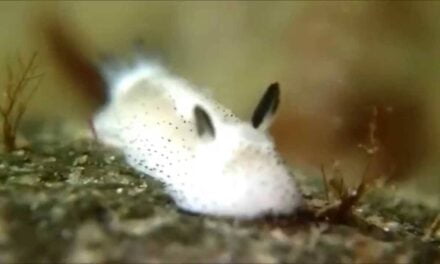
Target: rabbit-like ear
205,128
266,108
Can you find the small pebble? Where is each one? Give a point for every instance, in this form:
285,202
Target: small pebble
19,153
80,160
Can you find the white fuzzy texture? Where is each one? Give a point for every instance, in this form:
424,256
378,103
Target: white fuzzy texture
150,118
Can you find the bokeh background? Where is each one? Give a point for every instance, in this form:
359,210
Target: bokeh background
335,61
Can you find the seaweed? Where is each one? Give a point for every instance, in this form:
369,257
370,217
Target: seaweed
21,83
341,198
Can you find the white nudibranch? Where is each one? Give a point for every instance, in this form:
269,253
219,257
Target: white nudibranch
209,161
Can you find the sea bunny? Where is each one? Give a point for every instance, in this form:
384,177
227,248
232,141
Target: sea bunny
209,161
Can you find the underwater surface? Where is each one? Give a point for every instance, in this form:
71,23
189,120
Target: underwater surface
75,201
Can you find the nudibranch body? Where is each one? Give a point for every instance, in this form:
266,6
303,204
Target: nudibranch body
209,161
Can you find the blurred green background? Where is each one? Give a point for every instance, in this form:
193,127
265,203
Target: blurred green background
318,51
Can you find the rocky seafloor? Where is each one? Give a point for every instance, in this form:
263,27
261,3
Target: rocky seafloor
77,202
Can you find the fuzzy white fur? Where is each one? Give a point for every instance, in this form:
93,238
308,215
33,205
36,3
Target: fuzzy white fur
238,173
